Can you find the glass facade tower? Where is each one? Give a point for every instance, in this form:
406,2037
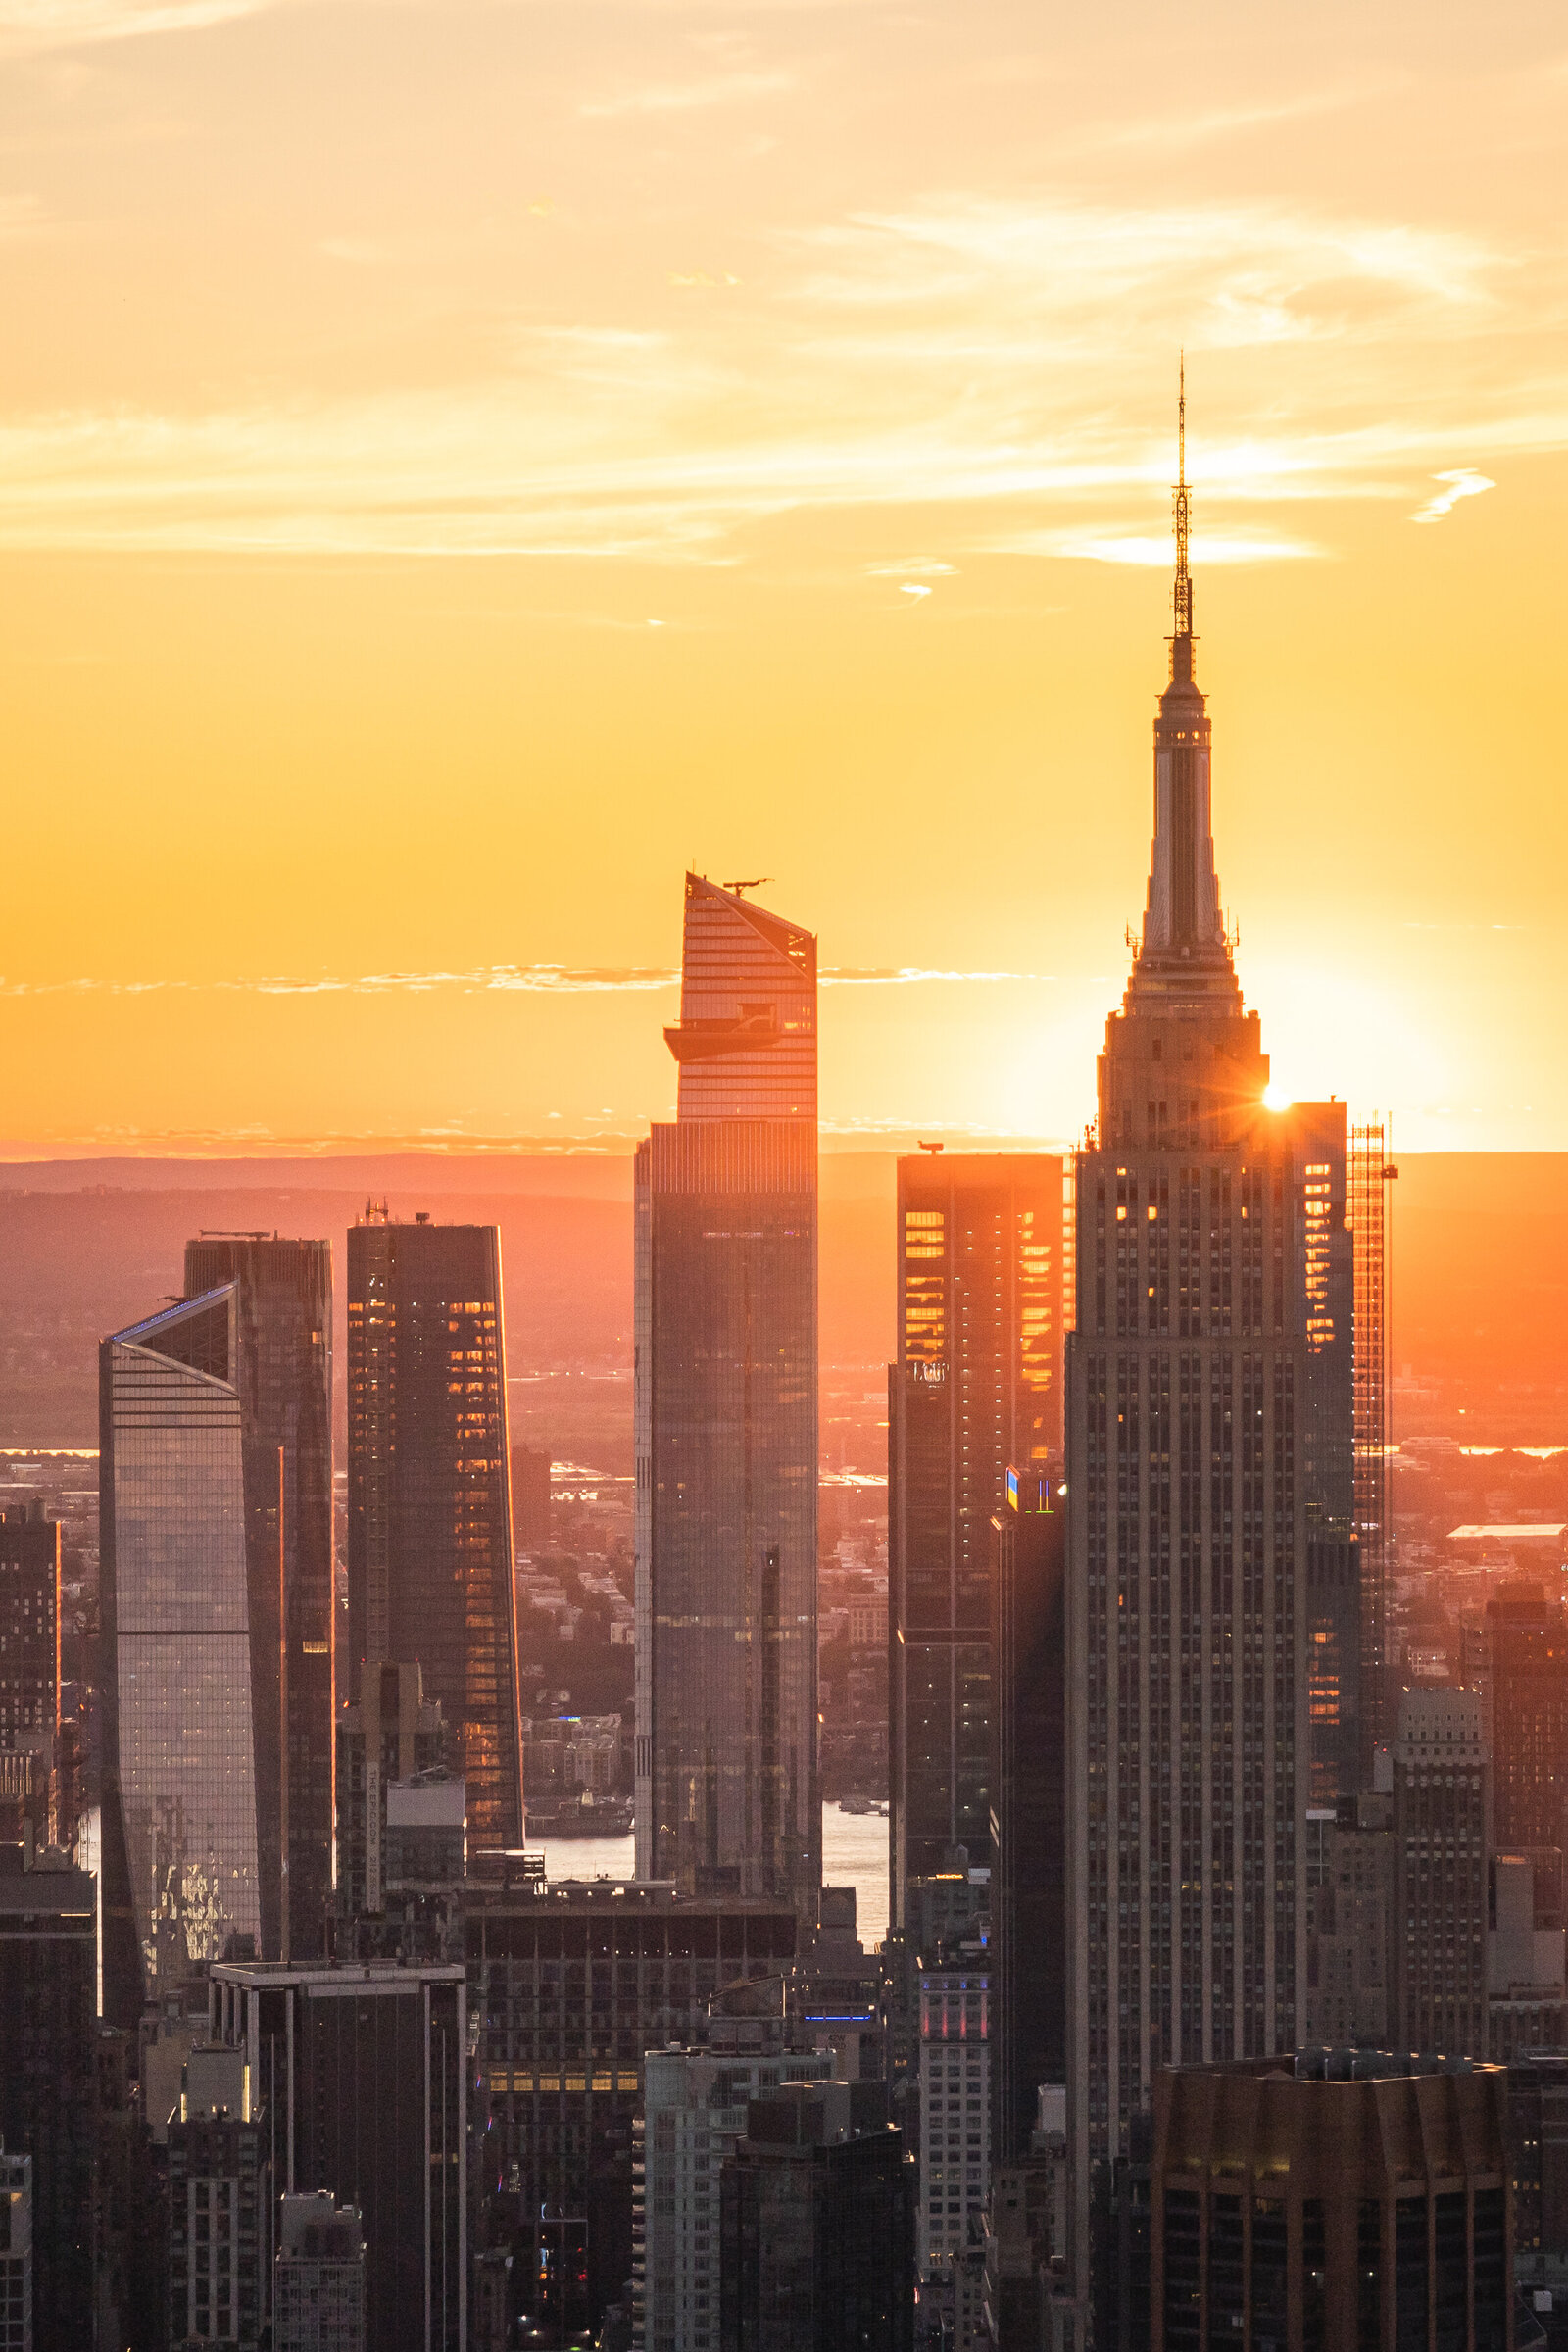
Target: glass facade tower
180,1796
284,1371
1209,1479
727,1795
977,1386
431,1569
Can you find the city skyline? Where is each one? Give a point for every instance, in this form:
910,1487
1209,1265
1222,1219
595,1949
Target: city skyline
853,1625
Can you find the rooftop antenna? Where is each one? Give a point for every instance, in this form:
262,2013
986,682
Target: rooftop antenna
738,890
1181,653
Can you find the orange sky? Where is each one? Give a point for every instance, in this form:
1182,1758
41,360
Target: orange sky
460,462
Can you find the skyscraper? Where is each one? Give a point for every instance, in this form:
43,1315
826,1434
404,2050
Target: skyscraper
15,2253
1371,2210
49,2081
1527,1663
977,1386
282,1368
695,2104
430,1576
725,1410
30,1669
179,1817
818,2237
1208,1446
362,2073
1028,1805
1440,1812
220,2207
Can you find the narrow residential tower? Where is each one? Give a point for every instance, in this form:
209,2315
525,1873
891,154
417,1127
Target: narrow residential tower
431,1570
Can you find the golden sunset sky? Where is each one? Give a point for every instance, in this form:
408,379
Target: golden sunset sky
462,463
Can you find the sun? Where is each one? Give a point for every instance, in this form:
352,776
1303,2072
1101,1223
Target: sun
1275,1097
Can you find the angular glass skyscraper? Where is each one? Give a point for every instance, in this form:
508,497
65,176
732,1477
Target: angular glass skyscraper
180,1796
284,1371
1209,1498
727,1420
430,1573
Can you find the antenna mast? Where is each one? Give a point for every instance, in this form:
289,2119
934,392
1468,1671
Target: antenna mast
1184,584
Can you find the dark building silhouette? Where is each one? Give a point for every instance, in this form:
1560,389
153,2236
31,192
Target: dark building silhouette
180,1830
1372,2210
1352,1953
582,1978
1440,1874
48,2080
818,2237
363,2073
1210,1484
1526,1666
530,1499
283,1369
1537,2146
1028,1806
1119,2233
36,1778
726,1419
430,1566
977,1386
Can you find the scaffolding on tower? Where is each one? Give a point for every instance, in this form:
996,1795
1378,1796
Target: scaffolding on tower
1371,1171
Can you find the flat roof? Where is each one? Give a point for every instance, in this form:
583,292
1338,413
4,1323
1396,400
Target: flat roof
1520,1531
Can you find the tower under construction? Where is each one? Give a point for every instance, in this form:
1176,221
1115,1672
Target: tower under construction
1371,1172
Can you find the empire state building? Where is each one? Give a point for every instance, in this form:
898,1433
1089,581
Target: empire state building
1212,1566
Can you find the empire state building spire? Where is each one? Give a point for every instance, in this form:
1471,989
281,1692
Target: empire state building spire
1182,918
1180,644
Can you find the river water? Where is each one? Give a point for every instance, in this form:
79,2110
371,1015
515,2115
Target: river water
854,1853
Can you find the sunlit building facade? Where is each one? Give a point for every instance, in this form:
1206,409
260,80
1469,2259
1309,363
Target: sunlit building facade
977,1386
727,1420
181,1794
431,1570
283,1372
1209,1477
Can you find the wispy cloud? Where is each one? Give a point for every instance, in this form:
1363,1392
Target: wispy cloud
551,979
684,98
1187,128
27,24
933,357
1462,481
908,975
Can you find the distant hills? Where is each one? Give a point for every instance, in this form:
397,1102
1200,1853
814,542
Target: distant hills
1480,1276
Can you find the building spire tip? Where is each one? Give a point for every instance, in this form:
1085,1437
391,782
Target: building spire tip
1181,651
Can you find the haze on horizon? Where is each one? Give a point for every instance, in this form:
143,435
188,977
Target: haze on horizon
461,461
